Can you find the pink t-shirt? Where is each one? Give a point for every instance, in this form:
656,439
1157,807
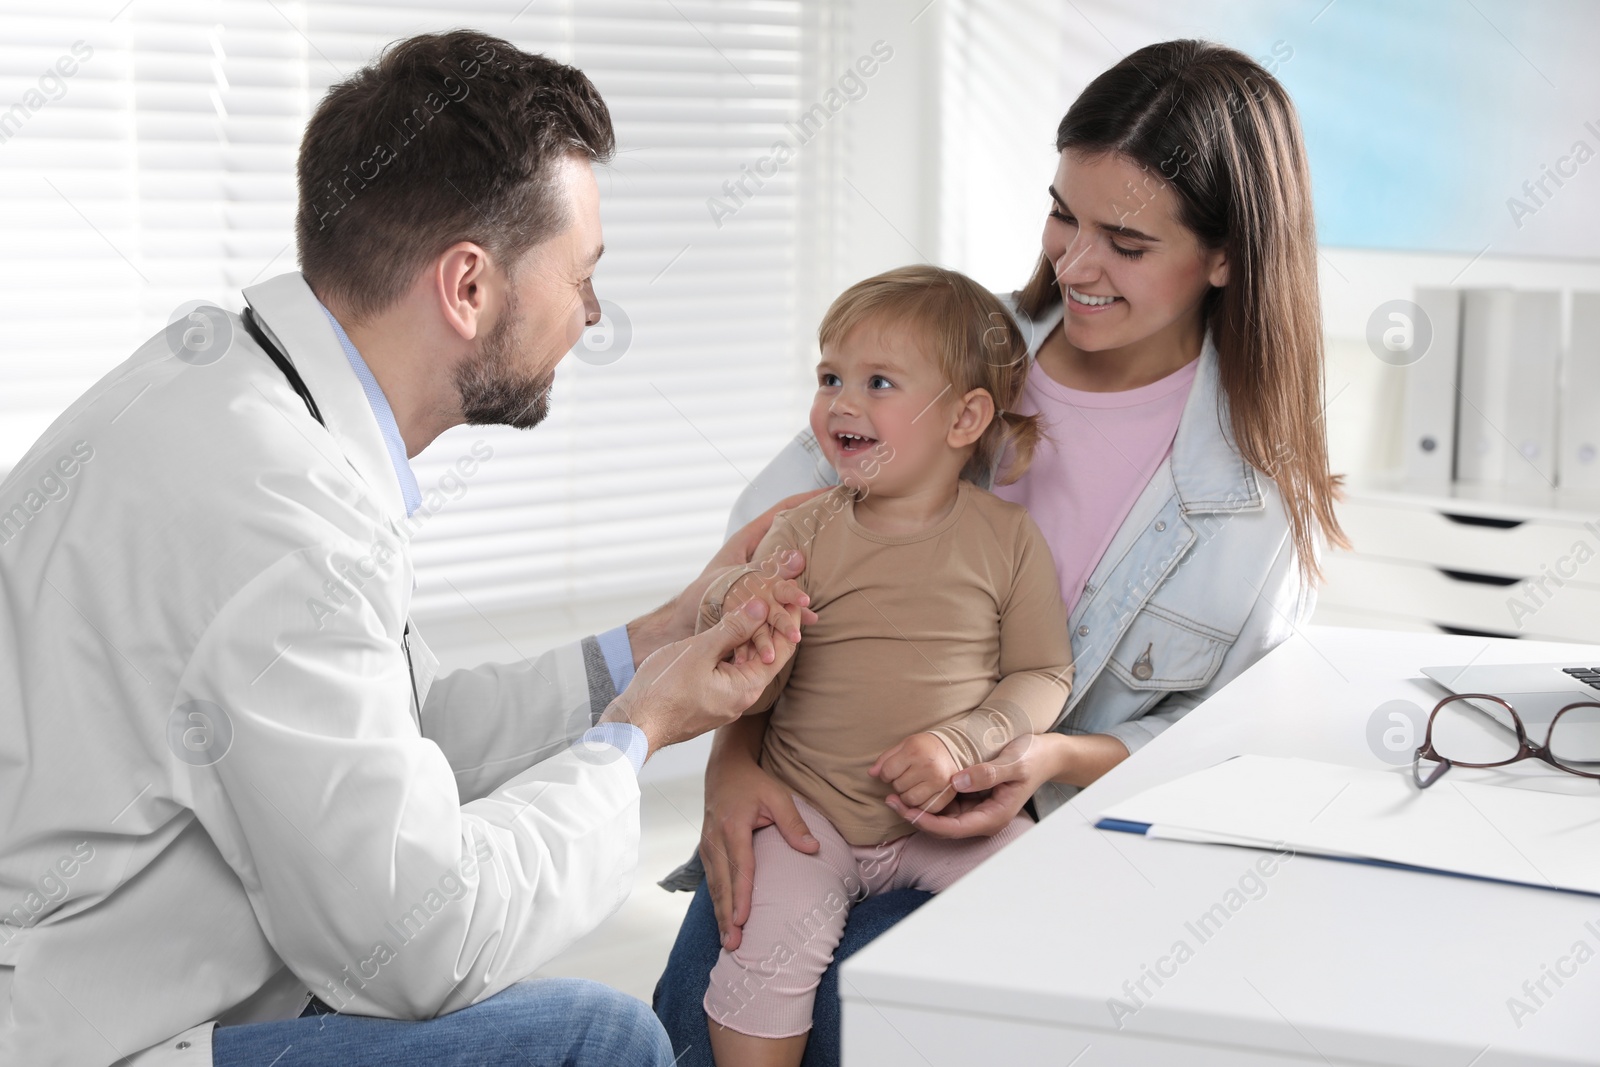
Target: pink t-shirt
1099,453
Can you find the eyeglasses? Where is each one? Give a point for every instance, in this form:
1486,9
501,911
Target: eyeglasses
1463,733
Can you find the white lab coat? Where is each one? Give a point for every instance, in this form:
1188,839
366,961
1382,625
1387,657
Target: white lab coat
190,533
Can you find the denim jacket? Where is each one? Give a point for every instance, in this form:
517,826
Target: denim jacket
1201,580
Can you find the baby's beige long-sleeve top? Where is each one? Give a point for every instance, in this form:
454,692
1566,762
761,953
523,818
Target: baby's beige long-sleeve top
958,630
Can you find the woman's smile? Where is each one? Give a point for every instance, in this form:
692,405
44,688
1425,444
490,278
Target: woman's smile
1089,304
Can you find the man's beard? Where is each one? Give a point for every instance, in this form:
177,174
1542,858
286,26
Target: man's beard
492,392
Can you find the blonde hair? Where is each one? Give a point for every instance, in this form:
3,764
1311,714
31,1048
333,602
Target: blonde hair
974,340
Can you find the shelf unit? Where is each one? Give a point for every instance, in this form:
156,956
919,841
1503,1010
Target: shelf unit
1495,561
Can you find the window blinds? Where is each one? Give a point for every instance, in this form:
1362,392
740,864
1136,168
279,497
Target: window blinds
162,170
1002,82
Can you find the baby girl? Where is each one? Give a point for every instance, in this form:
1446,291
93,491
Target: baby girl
940,634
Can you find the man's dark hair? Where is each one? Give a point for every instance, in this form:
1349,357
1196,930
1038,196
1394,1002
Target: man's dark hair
447,137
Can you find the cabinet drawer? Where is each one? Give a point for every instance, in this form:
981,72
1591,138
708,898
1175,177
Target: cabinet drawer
1333,615
1422,534
1363,584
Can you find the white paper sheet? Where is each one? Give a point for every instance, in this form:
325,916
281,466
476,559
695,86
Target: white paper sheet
1544,839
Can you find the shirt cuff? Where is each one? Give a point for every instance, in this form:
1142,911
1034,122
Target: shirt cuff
624,737
618,653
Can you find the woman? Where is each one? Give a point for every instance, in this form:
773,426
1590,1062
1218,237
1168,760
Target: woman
1177,355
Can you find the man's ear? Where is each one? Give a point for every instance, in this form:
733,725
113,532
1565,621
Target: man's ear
972,418
462,276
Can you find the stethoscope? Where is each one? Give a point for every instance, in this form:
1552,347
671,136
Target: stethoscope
298,384
274,353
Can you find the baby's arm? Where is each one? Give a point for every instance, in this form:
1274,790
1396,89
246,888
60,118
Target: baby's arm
1035,669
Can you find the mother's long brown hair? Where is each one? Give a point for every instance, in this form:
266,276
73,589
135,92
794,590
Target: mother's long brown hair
1211,124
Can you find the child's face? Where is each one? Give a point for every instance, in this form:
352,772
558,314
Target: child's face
883,410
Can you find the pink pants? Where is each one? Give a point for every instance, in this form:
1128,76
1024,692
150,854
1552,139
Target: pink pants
766,987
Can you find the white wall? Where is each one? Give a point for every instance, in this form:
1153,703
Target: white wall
882,184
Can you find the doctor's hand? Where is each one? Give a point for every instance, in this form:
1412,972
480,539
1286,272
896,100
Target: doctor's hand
787,605
688,687
676,619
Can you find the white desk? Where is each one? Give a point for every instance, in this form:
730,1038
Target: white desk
1333,963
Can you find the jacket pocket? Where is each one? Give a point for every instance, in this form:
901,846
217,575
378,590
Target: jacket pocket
1164,652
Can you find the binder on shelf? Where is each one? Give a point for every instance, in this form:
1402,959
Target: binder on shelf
1428,434
1580,397
1510,354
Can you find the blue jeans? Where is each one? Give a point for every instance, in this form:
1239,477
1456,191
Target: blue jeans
680,993
548,1022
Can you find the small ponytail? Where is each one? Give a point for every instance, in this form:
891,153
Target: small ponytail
1020,435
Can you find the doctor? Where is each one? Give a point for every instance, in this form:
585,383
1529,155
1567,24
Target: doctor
231,790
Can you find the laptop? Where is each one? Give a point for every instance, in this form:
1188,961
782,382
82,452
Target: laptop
1536,690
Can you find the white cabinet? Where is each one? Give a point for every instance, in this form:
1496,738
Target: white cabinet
1493,561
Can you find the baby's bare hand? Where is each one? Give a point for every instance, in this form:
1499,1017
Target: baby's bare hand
920,769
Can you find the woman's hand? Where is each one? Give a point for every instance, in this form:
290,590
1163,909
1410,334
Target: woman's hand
740,799
989,795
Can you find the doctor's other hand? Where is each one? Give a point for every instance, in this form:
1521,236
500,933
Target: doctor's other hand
676,619
683,689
